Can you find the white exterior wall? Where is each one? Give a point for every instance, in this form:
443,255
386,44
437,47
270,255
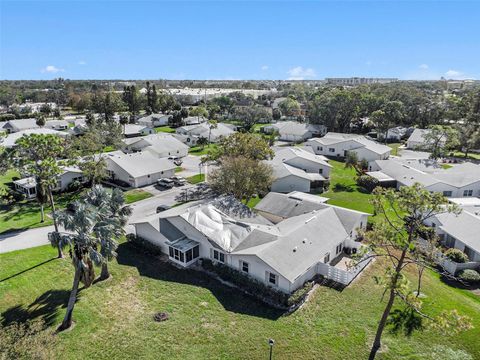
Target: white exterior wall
456,192
257,269
414,144
67,178
152,178
309,166
291,183
148,232
339,148
364,153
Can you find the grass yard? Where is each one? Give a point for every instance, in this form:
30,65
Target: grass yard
395,147
344,191
26,214
134,195
200,151
207,320
178,169
256,127
195,179
252,202
164,129
446,166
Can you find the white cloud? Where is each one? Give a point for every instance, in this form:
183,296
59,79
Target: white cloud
82,62
455,74
51,69
264,67
299,73
424,66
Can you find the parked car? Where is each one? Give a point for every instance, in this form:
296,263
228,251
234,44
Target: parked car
166,183
178,180
176,160
161,208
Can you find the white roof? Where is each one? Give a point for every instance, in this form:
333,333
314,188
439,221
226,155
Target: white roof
22,124
296,128
332,138
131,129
464,227
157,143
11,139
139,164
287,153
418,135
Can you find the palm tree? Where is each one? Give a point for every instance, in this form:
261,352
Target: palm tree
351,162
83,243
113,211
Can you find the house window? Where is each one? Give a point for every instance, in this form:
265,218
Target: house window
447,193
219,256
326,259
331,149
244,266
272,278
320,171
467,192
319,148
339,249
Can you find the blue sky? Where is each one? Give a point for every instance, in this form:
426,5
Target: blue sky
238,39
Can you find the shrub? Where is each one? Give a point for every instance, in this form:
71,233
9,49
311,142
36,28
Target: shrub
7,117
469,275
144,244
246,282
367,182
300,294
456,255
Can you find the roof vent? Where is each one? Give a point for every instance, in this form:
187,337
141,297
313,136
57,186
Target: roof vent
312,218
304,241
295,249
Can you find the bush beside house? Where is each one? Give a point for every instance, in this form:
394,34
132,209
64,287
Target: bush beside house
456,255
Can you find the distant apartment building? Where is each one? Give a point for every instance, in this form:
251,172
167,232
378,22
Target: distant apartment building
359,81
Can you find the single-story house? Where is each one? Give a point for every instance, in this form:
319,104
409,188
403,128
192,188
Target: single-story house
133,130
460,231
137,169
283,255
394,134
13,126
56,124
417,141
159,145
295,131
338,145
10,140
28,185
154,120
194,120
461,180
296,169
194,132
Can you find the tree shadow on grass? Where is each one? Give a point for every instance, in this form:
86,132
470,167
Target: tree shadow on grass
453,282
24,271
341,187
231,299
45,307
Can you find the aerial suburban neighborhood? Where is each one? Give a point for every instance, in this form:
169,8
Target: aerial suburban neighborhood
239,180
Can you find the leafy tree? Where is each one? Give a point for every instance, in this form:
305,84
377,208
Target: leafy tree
131,97
276,114
289,107
251,115
46,109
202,141
440,139
106,104
241,177
468,137
199,111
40,120
110,206
166,102
352,162
152,99
246,145
397,237
225,103
42,156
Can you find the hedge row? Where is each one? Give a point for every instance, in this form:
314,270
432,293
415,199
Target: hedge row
255,287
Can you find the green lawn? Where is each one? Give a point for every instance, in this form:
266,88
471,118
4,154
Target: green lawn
256,127
344,191
471,156
178,169
195,179
134,195
200,151
446,166
395,147
164,129
253,202
113,319
8,177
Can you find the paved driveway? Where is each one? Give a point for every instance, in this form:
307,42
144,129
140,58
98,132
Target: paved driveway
35,237
190,166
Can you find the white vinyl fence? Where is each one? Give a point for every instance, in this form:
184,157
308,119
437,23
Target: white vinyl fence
341,276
